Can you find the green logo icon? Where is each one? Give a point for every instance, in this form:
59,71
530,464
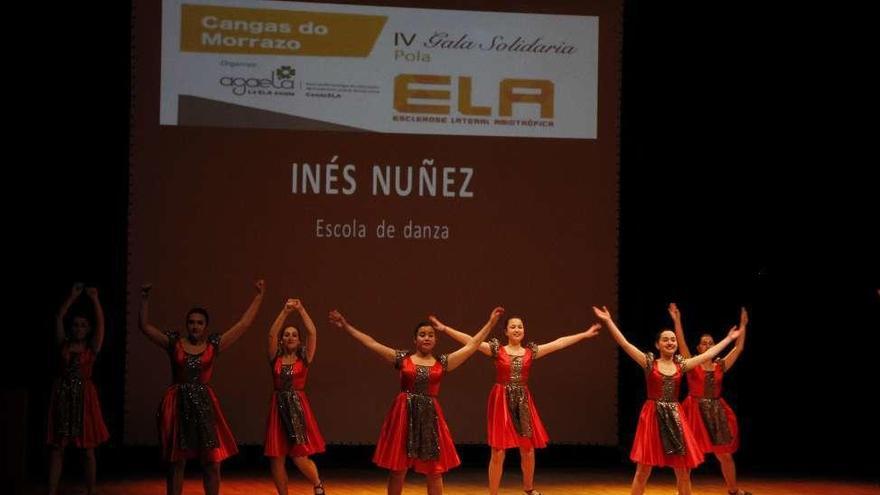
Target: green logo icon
285,72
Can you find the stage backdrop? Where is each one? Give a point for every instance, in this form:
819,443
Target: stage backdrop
388,161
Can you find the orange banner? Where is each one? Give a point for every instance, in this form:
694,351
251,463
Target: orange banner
212,29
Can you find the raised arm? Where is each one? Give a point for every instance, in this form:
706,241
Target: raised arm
230,336
712,351
459,337
740,343
387,353
630,350
679,330
75,291
312,339
563,342
154,334
458,357
98,339
276,328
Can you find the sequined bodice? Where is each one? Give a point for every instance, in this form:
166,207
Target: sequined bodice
417,379
193,368
705,384
662,387
289,376
77,364
513,370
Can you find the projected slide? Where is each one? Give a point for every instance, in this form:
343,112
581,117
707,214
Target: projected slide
388,162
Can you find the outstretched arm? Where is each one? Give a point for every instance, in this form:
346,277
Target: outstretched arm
155,335
276,328
230,336
740,343
630,350
712,351
563,342
98,339
387,353
312,339
458,357
62,312
679,330
460,337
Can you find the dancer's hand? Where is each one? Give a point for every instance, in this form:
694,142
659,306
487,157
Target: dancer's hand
602,314
336,319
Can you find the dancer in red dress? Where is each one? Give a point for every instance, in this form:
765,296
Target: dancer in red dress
291,429
513,420
74,410
662,437
708,415
415,434
191,424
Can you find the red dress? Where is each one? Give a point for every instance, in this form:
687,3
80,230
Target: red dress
663,437
191,424
74,410
707,414
291,428
414,434
513,419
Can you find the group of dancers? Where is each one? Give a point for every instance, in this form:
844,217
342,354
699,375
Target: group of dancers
414,434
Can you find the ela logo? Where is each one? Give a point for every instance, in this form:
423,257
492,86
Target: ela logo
510,91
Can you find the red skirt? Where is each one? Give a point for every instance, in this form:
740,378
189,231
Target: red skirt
648,447
94,431
502,433
391,448
694,420
277,443
169,430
